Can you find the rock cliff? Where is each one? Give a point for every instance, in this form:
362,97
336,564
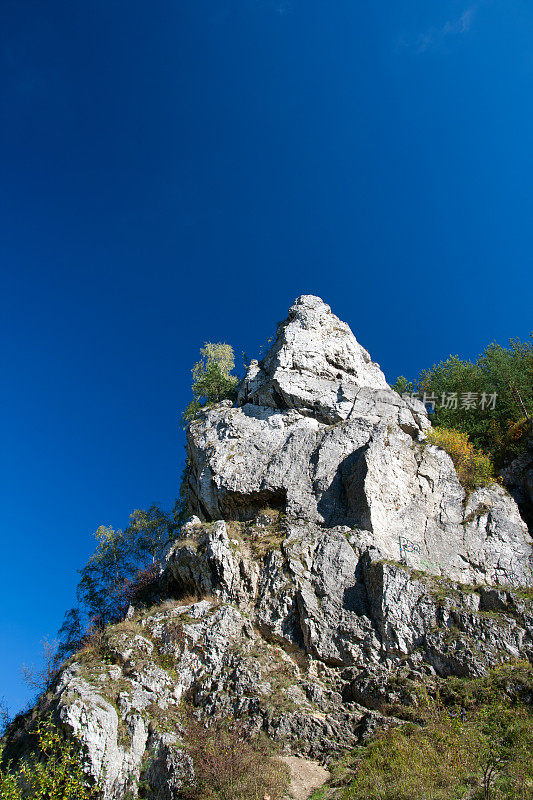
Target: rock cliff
333,561
318,433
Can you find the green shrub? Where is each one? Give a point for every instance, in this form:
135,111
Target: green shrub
54,771
212,378
475,744
473,467
506,372
403,386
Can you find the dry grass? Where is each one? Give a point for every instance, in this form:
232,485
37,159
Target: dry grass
230,765
260,538
476,743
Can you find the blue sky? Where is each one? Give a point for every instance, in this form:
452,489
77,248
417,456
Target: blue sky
178,172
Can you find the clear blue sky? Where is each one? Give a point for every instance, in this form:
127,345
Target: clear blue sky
177,172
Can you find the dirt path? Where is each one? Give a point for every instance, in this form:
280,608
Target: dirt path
306,776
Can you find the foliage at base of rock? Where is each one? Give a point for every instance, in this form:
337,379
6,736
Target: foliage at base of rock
473,467
480,752
229,765
53,771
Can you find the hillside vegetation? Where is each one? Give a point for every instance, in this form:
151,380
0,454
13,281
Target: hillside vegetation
473,739
489,399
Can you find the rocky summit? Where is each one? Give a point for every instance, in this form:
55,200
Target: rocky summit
331,558
318,433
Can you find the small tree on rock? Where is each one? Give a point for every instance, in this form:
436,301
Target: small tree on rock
212,378
120,571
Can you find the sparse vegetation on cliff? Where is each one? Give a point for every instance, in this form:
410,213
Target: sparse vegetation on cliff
212,378
474,468
489,399
474,741
230,765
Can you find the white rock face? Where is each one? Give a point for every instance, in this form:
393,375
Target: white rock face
318,433
117,711
330,594
316,365
89,715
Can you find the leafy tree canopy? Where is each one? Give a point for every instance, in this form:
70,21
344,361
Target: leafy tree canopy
212,378
121,566
503,376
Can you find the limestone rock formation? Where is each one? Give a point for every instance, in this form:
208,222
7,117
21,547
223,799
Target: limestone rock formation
318,433
334,562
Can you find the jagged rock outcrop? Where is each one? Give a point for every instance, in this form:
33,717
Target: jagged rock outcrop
334,564
332,597
315,365
318,433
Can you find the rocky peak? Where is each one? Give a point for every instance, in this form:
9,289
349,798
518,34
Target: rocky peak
315,365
